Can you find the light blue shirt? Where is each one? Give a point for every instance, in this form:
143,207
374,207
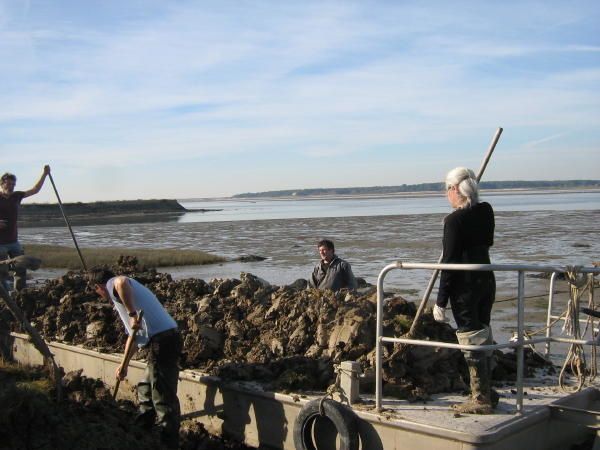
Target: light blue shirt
156,319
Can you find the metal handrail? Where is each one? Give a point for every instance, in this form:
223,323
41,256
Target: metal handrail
520,342
549,316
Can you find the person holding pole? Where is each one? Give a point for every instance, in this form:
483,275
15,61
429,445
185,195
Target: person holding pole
10,201
468,235
157,331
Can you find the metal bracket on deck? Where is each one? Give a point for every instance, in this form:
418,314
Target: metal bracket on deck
350,371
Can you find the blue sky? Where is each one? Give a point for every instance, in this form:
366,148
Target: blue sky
180,99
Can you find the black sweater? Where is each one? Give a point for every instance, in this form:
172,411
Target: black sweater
468,235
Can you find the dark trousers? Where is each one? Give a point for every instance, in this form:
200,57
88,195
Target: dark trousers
157,391
472,304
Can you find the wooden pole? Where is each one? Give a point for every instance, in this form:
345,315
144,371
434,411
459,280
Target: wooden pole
67,222
129,350
36,339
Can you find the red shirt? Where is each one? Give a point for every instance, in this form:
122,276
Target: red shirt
9,212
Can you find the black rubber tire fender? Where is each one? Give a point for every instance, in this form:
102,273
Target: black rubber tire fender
343,419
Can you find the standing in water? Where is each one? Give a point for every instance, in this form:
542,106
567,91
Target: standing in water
468,235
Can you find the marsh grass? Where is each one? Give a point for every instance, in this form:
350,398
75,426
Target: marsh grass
10,369
56,256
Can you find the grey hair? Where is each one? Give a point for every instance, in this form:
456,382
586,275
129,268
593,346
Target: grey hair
466,182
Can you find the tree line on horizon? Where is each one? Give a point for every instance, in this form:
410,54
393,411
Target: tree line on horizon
423,187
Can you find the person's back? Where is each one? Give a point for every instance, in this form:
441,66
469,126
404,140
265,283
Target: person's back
156,319
468,234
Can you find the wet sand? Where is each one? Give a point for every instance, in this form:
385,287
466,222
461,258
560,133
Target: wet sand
369,243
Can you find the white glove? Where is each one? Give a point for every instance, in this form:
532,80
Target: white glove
439,314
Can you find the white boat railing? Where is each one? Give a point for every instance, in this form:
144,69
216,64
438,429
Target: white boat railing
518,344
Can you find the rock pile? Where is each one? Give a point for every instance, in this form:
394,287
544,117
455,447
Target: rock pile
86,418
286,337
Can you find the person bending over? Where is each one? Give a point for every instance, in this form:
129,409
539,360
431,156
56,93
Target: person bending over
157,391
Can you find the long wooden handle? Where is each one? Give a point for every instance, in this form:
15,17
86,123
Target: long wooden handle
67,222
38,342
129,347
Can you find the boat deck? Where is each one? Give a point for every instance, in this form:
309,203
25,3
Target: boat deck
266,419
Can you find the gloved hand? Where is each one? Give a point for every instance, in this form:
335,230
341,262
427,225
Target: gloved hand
439,314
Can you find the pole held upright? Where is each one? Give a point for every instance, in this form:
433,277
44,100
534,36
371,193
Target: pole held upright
67,222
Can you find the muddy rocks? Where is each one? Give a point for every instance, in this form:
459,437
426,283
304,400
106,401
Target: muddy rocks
94,329
86,418
222,288
246,329
299,284
250,258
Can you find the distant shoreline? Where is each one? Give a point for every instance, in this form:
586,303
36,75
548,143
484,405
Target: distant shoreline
484,192
168,210
415,189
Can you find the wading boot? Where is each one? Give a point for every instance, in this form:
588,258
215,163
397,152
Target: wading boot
494,396
20,281
145,419
480,399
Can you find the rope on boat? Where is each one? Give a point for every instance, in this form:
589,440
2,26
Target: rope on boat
512,299
575,361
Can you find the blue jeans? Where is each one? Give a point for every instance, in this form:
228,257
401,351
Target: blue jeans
10,251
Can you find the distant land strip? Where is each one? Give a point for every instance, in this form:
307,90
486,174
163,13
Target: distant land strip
423,187
122,211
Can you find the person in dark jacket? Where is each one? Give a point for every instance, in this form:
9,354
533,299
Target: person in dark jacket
468,235
331,272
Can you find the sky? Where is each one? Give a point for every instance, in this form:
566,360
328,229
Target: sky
193,99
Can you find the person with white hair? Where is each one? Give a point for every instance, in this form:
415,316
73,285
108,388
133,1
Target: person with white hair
468,235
